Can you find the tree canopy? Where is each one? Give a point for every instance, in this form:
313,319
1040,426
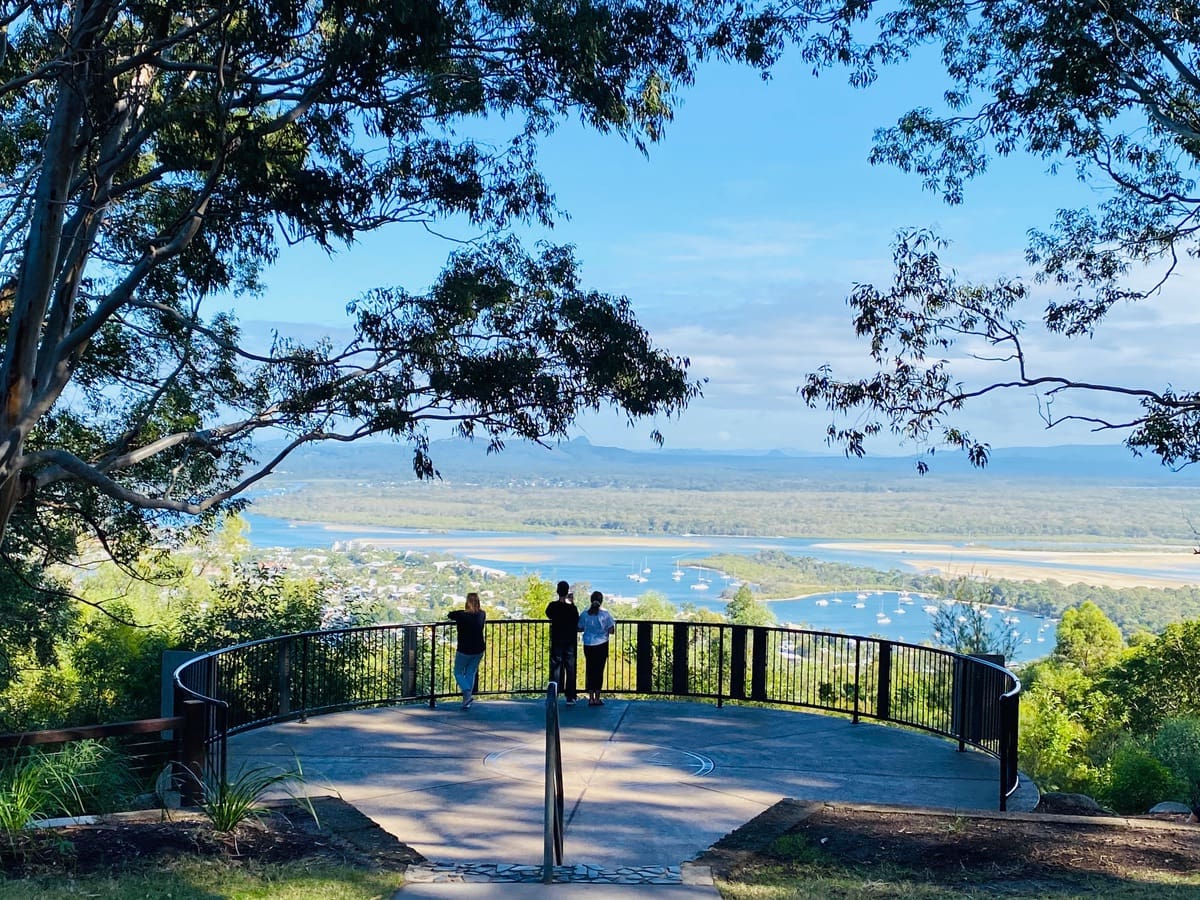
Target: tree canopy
155,156
1111,89
1088,639
744,609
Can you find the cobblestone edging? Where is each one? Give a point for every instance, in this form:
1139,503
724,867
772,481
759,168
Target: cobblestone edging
585,874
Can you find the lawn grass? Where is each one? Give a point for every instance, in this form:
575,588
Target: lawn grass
813,883
196,879
791,868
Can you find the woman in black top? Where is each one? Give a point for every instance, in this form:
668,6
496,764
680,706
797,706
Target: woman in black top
470,645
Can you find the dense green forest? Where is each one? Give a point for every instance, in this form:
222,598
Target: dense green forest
908,508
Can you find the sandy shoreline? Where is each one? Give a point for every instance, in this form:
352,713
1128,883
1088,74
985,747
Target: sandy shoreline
1161,567
535,540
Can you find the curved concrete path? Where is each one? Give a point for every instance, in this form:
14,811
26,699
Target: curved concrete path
647,783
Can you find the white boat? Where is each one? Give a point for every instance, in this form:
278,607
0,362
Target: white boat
930,608
862,595
859,605
883,619
822,603
678,573
636,576
900,611
700,586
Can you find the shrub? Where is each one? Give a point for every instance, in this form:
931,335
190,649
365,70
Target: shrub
1177,746
82,777
24,795
93,777
1136,780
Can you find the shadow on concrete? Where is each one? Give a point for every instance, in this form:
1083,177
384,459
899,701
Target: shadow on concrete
646,782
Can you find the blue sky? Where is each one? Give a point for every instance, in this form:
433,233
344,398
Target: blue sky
738,239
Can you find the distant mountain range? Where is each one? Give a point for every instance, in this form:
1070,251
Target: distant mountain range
580,462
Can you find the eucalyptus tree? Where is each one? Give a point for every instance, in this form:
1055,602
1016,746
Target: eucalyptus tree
156,156
1111,89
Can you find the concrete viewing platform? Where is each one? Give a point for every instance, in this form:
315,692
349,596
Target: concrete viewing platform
648,785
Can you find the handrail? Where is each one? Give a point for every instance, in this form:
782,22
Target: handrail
553,824
89,732
972,701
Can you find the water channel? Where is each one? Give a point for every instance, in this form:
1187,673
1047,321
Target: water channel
628,567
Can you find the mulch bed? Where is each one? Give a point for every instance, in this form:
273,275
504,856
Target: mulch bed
342,835
946,848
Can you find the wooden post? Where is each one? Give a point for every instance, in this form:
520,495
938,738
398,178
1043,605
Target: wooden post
193,749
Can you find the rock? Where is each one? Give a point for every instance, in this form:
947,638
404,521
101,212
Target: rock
1070,805
1170,806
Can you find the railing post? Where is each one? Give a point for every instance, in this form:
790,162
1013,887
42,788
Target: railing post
737,662
758,666
857,677
645,657
432,666
720,663
408,662
285,676
883,690
679,659
192,749
552,825
305,665
1010,717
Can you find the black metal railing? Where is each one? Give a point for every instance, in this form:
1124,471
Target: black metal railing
971,700
553,824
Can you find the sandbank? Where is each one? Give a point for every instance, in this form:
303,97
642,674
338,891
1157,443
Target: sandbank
1111,568
464,543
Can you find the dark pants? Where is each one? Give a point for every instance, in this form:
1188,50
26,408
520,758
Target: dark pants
595,656
562,667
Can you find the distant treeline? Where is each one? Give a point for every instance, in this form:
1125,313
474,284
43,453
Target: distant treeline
912,508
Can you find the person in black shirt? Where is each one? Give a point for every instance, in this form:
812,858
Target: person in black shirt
564,624
470,646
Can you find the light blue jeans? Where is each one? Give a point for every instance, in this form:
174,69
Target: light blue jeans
465,667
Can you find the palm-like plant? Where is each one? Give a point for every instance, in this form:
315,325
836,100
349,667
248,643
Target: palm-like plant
229,802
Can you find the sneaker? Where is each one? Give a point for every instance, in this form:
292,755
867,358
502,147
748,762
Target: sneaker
467,704
570,702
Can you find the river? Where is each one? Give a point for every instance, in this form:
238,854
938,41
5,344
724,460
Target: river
625,567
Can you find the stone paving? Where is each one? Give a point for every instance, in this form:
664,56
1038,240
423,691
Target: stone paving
502,872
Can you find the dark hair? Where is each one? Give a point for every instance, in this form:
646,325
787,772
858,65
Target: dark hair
563,588
597,599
